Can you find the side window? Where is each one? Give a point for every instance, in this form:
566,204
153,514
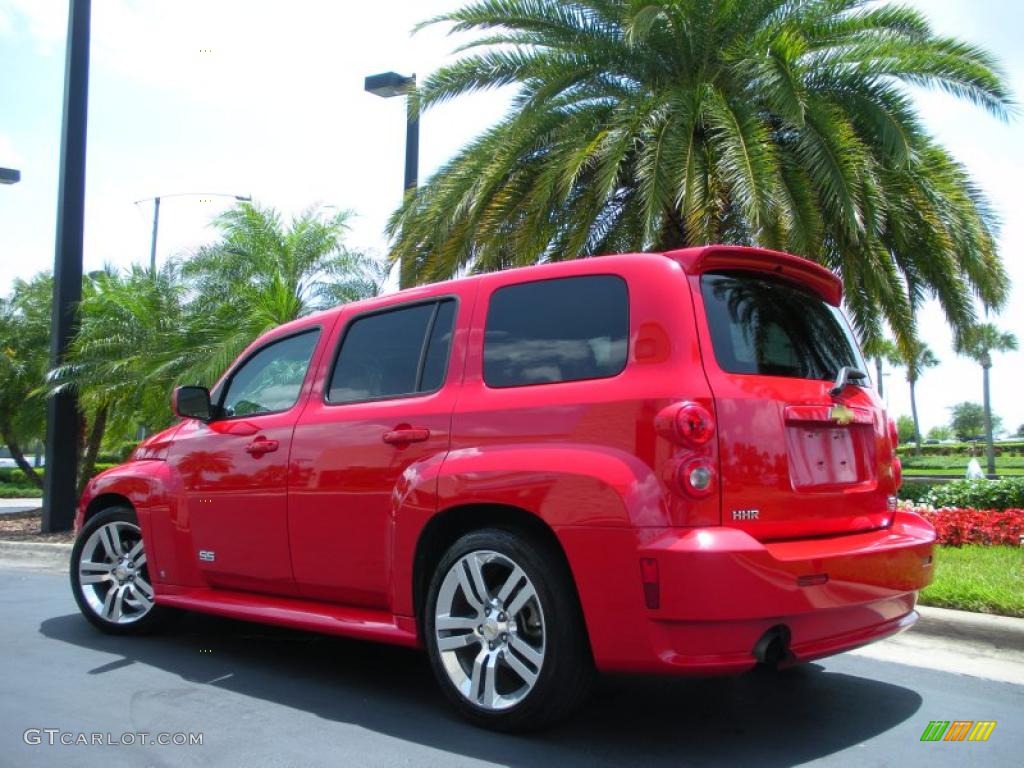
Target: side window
270,380
394,353
565,329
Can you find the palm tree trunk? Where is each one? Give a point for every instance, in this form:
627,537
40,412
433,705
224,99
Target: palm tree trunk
673,231
92,448
990,452
878,374
18,455
913,413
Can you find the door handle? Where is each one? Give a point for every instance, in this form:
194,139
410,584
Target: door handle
260,446
406,435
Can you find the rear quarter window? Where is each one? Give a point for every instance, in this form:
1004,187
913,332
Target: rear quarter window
566,329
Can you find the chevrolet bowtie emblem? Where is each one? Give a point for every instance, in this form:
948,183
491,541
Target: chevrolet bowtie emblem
841,415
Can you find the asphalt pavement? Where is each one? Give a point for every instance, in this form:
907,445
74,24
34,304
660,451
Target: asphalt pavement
263,696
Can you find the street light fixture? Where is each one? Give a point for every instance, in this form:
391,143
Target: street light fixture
386,85
9,176
156,214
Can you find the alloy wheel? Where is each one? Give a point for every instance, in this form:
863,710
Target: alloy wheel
489,629
112,573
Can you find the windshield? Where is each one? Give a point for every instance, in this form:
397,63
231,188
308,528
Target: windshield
770,327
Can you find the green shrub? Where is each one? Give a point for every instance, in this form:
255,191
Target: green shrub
916,490
17,492
1014,448
13,476
1006,493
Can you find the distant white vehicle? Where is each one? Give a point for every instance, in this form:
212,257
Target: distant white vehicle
6,462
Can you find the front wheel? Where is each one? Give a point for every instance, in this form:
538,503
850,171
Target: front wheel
110,574
505,633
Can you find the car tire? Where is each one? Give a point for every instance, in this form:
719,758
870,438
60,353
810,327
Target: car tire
110,575
505,633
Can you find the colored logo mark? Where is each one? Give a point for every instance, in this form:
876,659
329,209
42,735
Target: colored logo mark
841,415
958,730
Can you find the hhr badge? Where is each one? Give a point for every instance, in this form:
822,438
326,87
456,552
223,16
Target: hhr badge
745,514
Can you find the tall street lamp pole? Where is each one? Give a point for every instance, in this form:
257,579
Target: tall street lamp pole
388,84
156,215
62,421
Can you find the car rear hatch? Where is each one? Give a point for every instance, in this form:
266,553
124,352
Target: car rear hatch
797,457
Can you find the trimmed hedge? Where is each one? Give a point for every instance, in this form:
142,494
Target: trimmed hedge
1006,493
15,477
17,492
1007,448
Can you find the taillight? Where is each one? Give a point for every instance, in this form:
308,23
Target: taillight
894,433
694,424
697,478
690,471
897,472
686,423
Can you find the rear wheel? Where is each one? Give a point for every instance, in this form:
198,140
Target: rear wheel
505,633
110,574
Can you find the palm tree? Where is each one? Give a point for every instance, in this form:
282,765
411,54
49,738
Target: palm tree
881,349
275,274
658,124
24,358
919,358
978,343
129,324
141,334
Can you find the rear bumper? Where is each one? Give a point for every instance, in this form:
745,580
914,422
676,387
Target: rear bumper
720,591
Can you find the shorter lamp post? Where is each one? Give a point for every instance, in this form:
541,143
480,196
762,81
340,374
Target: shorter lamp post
156,214
386,85
9,176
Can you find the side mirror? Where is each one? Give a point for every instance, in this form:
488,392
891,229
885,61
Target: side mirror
192,403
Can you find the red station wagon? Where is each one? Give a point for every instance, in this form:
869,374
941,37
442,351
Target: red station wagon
654,463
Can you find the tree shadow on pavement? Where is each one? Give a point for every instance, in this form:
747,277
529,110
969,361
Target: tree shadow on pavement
759,718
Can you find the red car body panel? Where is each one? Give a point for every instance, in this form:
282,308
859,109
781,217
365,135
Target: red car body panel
322,534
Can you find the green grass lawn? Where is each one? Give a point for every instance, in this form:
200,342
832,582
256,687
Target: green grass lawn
1006,466
958,471
8,491
977,578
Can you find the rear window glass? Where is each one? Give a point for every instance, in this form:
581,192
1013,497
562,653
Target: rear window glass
770,327
565,329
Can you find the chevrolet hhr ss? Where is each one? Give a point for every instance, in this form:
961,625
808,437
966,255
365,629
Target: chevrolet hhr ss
651,463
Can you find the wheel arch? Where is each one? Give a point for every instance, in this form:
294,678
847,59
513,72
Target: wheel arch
449,525
105,501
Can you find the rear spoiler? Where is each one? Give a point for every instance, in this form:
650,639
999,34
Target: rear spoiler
696,261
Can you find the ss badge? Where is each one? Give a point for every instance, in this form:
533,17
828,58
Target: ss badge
745,514
207,555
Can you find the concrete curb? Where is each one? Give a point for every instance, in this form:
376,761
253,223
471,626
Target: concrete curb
1000,631
36,554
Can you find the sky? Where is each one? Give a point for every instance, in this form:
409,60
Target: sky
260,98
